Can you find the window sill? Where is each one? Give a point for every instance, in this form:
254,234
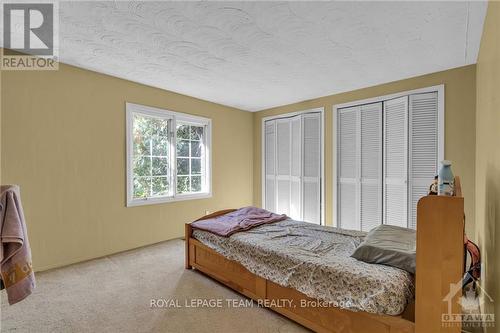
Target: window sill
179,197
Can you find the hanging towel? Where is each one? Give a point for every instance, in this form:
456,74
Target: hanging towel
15,253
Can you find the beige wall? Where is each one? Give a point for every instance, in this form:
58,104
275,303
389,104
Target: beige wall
63,137
488,156
460,103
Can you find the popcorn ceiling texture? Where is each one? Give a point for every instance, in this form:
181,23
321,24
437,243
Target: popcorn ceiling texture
256,55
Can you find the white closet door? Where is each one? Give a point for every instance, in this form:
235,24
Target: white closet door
423,144
293,166
348,185
296,168
284,151
270,164
311,124
396,161
371,166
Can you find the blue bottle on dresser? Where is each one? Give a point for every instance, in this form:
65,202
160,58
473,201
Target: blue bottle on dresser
446,179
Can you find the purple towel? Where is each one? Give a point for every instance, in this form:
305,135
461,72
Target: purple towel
240,220
15,253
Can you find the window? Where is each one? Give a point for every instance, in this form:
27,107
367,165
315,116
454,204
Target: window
168,156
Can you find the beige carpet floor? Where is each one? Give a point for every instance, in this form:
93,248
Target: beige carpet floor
113,294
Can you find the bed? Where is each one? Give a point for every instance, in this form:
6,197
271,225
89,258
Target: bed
296,261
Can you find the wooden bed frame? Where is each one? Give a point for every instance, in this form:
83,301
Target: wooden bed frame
440,235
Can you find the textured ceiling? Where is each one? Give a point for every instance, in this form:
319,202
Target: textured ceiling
256,55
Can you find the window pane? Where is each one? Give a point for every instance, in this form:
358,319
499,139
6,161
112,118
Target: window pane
142,125
160,145
160,186
160,166
142,166
190,150
182,184
196,184
159,127
196,148
196,166
142,187
141,137
183,148
183,132
183,166
151,150
141,144
196,132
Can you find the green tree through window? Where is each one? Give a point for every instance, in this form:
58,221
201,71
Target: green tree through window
151,157
190,154
168,156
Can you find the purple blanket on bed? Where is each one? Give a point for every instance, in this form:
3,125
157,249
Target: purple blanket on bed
240,220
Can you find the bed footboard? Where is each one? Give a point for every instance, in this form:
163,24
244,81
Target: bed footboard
188,232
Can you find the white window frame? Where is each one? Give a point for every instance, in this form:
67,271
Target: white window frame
440,89
320,110
131,109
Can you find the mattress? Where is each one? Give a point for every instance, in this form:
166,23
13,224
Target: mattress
315,260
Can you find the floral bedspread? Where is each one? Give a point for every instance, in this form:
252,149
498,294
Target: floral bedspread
315,260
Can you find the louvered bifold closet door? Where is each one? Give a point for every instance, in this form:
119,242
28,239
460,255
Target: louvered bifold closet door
371,166
311,159
283,167
423,144
270,164
348,185
396,161
296,168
